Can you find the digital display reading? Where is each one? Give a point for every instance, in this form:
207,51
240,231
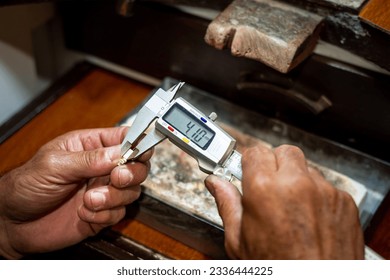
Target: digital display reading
190,126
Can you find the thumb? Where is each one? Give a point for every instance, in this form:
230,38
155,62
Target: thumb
228,200
93,163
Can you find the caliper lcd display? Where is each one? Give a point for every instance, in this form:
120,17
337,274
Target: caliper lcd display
190,126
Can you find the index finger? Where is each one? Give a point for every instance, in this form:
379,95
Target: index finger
110,136
91,139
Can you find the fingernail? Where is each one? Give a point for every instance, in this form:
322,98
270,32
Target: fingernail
97,200
125,176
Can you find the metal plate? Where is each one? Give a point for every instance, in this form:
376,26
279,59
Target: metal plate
176,180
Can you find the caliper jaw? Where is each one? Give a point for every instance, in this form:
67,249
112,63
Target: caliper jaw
146,115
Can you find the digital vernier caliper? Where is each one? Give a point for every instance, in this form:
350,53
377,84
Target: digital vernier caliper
186,127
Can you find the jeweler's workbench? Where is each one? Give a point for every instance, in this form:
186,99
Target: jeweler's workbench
89,97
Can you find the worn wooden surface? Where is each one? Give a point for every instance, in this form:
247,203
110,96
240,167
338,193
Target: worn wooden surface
377,13
101,99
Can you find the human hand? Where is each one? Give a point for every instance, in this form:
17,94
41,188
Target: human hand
286,211
71,189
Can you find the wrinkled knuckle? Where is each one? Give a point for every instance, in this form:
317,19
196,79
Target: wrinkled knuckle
261,184
289,149
301,183
92,157
45,160
52,159
255,150
251,150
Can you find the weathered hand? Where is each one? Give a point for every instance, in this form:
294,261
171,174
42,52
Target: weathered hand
71,189
286,211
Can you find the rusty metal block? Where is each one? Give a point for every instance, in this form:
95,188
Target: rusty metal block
275,33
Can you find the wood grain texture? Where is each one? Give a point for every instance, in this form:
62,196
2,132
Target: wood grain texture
377,13
101,99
